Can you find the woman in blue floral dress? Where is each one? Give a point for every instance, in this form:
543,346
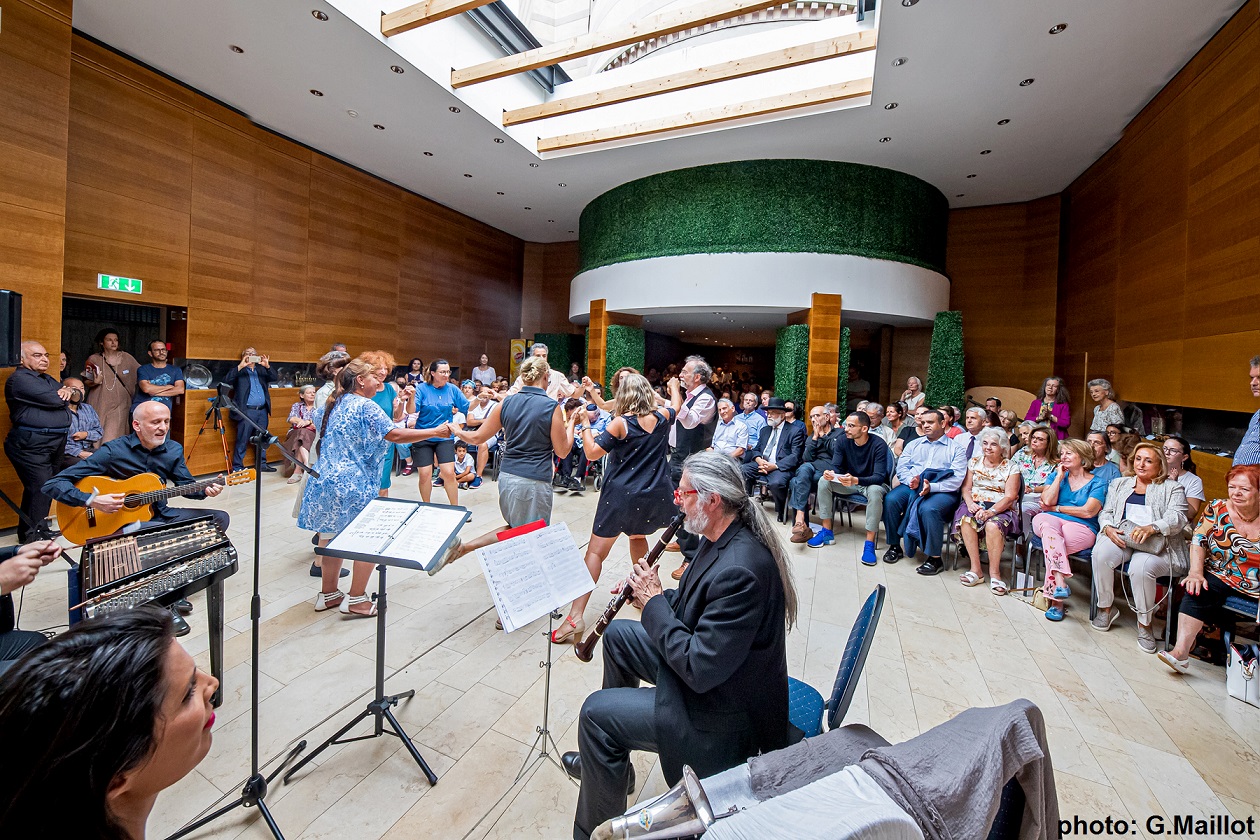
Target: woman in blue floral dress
353,440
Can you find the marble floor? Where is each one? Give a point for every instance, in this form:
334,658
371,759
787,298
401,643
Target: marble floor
1128,739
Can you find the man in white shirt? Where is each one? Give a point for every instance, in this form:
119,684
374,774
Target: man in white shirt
692,432
558,385
969,441
875,411
731,435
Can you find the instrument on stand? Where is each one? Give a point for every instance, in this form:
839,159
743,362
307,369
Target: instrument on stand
585,649
80,524
158,565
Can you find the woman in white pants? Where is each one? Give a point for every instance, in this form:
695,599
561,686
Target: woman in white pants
1142,522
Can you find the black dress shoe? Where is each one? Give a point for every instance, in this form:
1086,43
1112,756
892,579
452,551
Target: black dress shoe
931,566
893,554
266,468
181,626
183,606
572,762
317,572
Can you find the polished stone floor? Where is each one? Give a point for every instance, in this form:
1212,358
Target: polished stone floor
1128,739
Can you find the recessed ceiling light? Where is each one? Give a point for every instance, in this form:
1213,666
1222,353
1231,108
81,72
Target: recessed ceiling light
529,208
562,185
1054,30
352,113
1003,122
885,139
574,231
1026,82
551,221
453,109
428,154
897,62
466,175
987,152
971,176
533,166
316,92
378,126
890,106
318,15
909,2
235,48
498,139
498,193
397,69
960,195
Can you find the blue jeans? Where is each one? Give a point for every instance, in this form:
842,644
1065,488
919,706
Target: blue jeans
802,485
934,513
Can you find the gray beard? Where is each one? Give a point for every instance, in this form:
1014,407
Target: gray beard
697,523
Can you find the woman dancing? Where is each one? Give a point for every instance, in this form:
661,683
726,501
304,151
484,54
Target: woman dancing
435,399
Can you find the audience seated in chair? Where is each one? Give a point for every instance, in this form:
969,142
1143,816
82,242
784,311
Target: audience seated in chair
1224,564
1181,469
777,455
930,473
1037,462
990,503
1068,523
861,466
819,450
1104,467
1141,524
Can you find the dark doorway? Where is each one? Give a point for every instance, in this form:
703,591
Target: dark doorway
83,318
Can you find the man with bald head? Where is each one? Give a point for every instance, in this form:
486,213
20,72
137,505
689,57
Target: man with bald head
146,450
37,438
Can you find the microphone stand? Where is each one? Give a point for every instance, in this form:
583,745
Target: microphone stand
254,793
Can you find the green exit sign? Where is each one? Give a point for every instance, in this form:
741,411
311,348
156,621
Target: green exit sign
110,283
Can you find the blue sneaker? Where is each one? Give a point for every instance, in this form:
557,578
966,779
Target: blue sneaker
823,537
1055,613
868,554
437,482
1062,593
476,482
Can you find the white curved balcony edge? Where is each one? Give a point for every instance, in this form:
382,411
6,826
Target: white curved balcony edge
882,291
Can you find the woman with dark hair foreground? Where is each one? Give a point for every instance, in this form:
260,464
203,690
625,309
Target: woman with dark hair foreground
95,724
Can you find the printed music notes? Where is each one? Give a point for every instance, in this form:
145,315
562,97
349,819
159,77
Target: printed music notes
399,532
533,574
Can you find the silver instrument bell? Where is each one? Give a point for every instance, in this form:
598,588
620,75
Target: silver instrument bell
682,811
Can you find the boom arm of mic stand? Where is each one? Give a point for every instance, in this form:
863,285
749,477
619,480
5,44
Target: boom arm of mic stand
267,437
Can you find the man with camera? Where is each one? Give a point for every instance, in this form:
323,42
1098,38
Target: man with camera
250,382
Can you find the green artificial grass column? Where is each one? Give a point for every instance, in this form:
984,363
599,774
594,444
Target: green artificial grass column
845,355
945,362
768,206
625,348
558,353
791,363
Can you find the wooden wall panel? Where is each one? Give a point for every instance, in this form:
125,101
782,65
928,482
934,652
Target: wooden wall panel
1006,255
549,271
34,109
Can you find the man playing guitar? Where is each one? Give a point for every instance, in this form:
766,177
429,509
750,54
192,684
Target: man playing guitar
146,450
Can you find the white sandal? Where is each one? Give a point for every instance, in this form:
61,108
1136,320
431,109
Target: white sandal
970,578
328,600
355,600
998,586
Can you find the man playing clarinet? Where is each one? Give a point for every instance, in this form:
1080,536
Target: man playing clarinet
714,649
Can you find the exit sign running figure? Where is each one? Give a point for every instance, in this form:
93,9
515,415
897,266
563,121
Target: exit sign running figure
110,283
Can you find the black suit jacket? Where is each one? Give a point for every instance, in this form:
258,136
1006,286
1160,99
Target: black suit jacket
722,692
791,446
240,383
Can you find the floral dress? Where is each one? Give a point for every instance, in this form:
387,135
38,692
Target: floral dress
352,450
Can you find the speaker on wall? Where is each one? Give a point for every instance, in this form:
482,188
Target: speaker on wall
10,328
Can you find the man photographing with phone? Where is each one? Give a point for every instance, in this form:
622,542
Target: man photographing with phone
250,382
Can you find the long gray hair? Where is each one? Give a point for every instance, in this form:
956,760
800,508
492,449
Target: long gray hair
716,473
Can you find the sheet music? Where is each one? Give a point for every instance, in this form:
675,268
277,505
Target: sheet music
372,528
410,533
423,533
533,574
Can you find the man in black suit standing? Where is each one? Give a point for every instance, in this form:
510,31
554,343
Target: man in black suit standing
251,384
778,454
715,649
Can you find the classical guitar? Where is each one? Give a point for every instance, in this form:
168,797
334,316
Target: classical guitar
78,524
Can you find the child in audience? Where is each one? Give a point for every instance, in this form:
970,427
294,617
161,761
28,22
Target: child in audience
465,467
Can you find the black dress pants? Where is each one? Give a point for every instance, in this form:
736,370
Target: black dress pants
615,720
35,457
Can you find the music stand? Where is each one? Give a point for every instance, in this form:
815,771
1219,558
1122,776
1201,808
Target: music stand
394,521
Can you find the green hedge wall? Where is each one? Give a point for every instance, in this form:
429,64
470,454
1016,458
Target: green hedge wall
625,349
778,206
791,364
845,357
945,361
558,355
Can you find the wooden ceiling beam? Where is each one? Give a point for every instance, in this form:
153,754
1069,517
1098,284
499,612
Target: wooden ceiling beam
738,68
710,116
428,11
666,23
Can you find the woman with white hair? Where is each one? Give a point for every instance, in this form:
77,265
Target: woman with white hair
1107,412
913,396
990,498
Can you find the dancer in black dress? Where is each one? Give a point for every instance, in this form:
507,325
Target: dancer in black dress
638,497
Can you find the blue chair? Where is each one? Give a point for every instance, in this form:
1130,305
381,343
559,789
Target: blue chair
1084,556
805,704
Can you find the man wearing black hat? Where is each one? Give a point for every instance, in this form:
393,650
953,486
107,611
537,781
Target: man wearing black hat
777,455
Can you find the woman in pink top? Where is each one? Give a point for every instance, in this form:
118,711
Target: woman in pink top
1052,407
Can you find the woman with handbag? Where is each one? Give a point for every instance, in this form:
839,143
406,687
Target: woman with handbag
1224,562
1141,523
990,505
